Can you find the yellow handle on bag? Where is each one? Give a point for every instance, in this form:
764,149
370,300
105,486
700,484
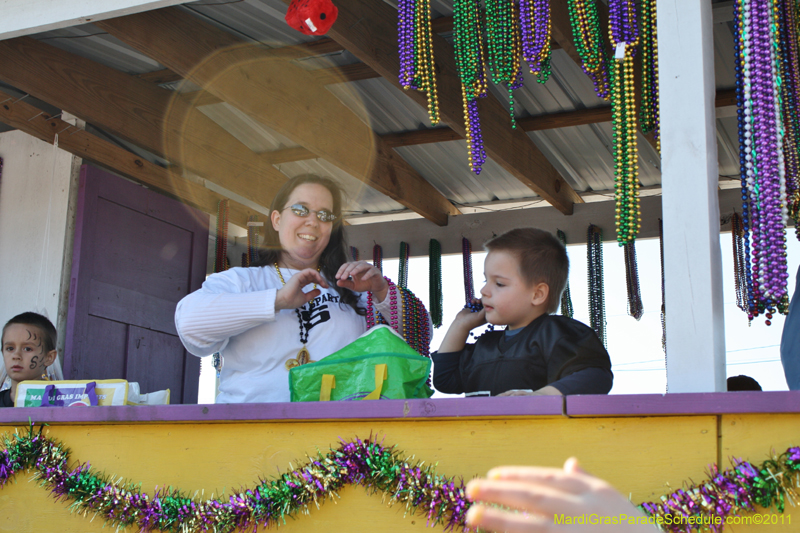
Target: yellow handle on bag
381,374
328,383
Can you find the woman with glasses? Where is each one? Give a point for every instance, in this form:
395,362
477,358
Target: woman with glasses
301,301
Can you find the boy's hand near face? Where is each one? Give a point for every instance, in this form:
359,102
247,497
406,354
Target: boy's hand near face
470,319
466,320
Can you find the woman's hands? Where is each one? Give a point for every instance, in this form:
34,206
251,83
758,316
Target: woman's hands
360,276
291,295
543,493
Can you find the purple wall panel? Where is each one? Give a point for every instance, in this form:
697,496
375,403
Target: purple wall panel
146,352
137,253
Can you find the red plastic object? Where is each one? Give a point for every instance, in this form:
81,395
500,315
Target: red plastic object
312,17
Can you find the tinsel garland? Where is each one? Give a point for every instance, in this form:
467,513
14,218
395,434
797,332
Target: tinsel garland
402,276
566,298
221,258
730,493
379,469
435,278
597,300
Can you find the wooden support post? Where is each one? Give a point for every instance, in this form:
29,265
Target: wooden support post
690,175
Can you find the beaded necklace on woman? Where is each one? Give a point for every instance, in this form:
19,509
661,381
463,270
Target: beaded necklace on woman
303,356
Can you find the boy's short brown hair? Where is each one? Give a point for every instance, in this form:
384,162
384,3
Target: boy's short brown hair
41,322
541,258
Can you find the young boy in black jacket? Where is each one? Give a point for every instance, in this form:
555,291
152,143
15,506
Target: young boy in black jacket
538,354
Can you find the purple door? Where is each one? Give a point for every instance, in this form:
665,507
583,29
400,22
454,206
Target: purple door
136,254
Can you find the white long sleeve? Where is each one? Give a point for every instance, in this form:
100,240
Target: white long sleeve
228,303
234,314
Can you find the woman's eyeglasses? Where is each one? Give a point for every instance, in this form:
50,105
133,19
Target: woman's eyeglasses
302,211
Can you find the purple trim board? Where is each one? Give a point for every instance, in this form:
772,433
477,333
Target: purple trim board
384,409
708,403
614,405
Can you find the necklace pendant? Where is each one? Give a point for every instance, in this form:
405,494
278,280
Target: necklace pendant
303,357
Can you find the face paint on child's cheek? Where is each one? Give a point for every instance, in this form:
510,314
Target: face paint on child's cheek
34,362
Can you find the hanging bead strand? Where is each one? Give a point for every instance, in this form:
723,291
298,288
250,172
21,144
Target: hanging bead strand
377,257
402,277
790,76
624,36
648,108
635,307
597,304
663,291
743,111
435,279
221,260
764,178
739,272
566,299
588,38
535,25
252,239
469,287
415,45
504,42
470,64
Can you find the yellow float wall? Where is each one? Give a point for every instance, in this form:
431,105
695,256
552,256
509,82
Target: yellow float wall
643,457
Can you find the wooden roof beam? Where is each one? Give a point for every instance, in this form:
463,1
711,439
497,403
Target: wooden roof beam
281,95
29,119
356,72
368,30
579,117
139,112
325,76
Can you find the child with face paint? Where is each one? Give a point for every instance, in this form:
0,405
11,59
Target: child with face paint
29,347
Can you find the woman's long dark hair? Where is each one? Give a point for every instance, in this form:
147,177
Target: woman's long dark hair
333,256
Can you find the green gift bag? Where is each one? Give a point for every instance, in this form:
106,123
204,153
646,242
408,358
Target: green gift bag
377,365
